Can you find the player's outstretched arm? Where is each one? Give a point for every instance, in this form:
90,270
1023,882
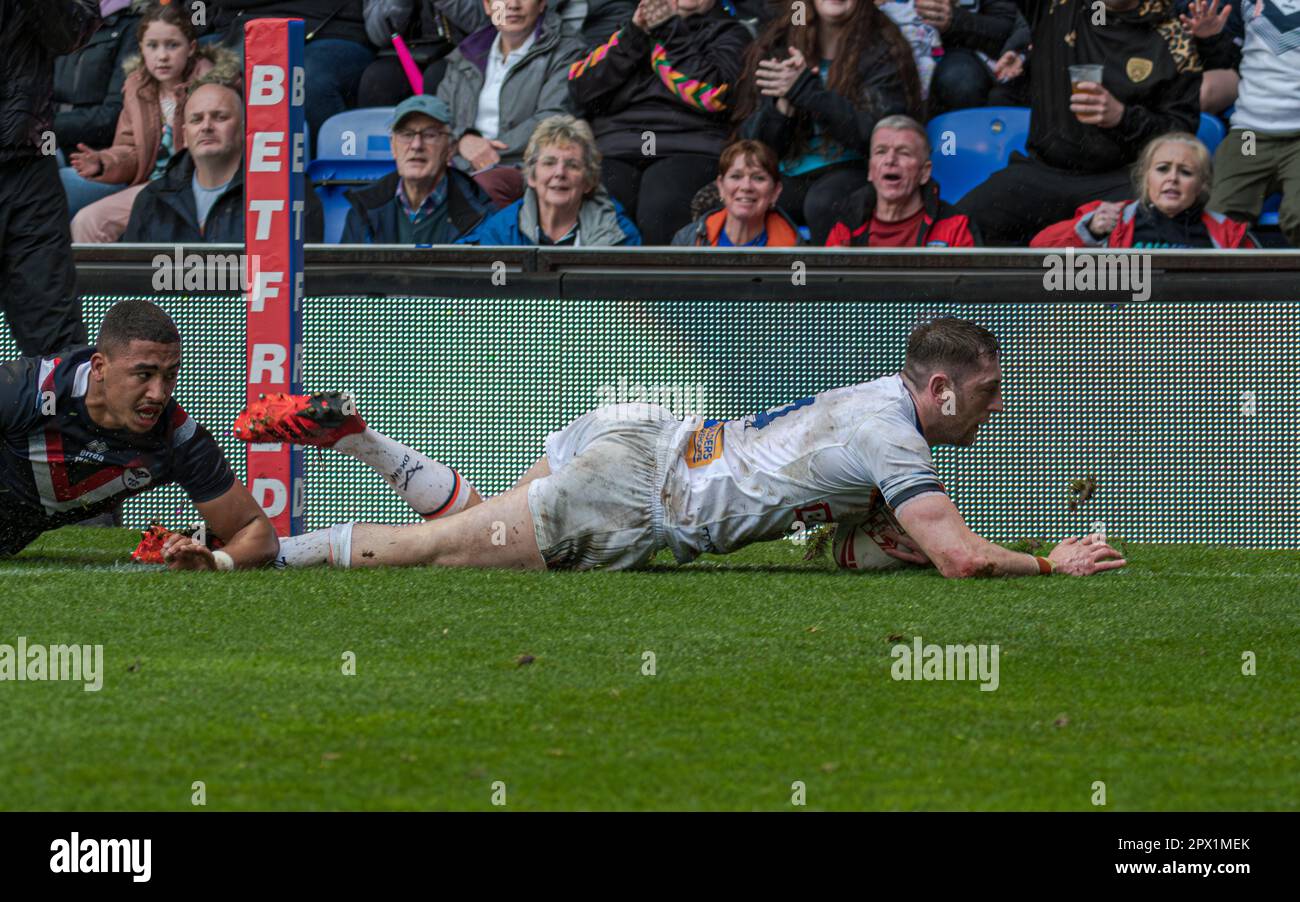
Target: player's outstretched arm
239,522
935,524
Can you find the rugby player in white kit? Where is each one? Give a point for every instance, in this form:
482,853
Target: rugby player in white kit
624,481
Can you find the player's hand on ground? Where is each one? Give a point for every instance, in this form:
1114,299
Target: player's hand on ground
183,553
1083,557
904,549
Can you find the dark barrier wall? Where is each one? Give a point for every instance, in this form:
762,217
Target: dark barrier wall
1182,412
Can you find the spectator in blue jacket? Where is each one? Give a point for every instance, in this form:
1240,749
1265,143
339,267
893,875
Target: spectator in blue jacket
564,203
424,201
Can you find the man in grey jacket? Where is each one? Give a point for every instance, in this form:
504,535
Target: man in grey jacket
501,82
591,20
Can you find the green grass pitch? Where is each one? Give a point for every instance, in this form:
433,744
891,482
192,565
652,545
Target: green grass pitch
768,671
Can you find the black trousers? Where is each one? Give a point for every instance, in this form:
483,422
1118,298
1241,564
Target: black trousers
37,278
384,81
656,192
960,81
1014,204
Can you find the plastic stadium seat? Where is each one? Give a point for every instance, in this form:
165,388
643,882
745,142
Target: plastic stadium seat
1212,132
1269,215
983,139
332,179
355,170
369,128
336,206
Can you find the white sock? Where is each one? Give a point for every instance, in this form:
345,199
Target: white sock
321,546
430,488
307,550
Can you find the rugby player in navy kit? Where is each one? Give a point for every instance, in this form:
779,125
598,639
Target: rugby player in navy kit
83,429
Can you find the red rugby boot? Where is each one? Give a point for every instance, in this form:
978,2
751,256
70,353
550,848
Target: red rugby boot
318,419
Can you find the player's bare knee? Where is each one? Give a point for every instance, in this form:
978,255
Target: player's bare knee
539,470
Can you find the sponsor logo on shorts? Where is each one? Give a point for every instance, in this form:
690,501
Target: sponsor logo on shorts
705,445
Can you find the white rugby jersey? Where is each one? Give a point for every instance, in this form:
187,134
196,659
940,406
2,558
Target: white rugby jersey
817,460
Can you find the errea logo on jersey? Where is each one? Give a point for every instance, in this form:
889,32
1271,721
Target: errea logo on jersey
94,451
102,856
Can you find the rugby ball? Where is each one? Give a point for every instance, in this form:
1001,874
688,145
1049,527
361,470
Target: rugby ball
861,545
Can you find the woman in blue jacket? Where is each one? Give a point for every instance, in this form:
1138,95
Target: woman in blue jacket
564,203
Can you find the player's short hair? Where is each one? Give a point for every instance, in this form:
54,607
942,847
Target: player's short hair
128,321
215,79
565,129
947,344
1204,164
902,123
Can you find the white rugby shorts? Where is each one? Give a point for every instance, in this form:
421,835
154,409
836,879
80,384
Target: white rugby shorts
602,504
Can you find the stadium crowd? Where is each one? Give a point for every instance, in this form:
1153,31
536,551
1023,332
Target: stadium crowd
708,122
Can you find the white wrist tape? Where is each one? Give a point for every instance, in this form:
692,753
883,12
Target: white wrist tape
224,561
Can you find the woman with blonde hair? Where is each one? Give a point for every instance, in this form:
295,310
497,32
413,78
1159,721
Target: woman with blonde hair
564,203
1172,180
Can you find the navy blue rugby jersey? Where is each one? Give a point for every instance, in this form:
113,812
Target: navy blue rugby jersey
57,466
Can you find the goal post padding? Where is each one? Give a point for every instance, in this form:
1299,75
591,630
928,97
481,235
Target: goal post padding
275,204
